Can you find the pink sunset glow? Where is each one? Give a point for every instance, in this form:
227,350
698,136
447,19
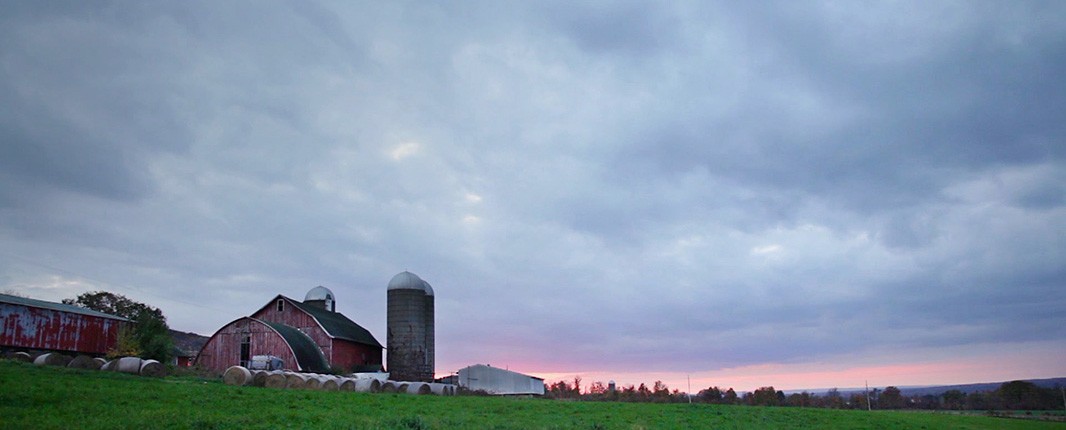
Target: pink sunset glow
1029,362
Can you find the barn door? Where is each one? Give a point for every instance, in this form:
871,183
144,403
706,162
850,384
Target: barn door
246,349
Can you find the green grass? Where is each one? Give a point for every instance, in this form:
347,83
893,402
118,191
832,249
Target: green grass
38,397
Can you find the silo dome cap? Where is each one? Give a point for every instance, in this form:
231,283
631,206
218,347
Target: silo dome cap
410,281
320,293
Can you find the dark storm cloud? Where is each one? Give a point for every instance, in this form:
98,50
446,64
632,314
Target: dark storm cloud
697,186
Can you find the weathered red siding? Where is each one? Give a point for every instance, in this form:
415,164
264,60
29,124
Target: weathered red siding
349,354
224,348
35,328
294,317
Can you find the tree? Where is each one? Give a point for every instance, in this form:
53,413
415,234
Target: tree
954,399
150,335
834,399
766,396
730,397
114,304
891,398
711,395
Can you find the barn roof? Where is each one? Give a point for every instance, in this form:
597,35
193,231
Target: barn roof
308,354
61,307
337,325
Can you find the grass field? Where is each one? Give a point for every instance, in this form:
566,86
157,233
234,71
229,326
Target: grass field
56,398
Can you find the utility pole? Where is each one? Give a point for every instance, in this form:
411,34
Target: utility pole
689,393
868,406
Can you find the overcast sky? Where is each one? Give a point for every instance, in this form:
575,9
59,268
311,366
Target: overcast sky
792,193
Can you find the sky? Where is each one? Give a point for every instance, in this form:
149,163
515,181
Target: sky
741,194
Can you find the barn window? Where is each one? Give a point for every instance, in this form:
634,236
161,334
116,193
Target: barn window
281,305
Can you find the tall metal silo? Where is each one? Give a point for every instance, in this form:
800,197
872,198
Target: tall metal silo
410,329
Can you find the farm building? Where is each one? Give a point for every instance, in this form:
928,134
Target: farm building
29,324
493,380
308,336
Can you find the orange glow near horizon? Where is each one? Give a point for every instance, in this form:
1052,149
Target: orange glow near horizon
813,376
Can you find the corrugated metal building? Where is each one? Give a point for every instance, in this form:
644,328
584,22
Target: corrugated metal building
308,336
493,380
40,325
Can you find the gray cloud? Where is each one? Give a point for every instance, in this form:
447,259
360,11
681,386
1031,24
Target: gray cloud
592,186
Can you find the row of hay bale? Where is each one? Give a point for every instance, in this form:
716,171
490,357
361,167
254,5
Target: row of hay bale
241,376
131,365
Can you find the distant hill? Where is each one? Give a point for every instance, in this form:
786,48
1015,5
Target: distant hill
188,343
974,388
940,389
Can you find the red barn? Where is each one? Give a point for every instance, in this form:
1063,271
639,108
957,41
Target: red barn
308,336
31,324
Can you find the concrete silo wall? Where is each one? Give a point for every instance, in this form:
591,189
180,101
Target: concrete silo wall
430,364
409,342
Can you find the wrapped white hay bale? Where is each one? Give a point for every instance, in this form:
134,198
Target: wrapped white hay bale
100,362
417,388
131,365
110,366
346,384
368,385
237,375
389,387
442,389
84,362
153,369
382,377
52,359
275,379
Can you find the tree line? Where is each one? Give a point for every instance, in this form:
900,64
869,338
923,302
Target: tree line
1013,395
147,337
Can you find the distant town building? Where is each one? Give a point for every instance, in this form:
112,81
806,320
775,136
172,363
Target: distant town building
308,336
493,380
30,324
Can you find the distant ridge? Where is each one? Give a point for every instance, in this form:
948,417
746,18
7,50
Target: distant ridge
913,390
974,388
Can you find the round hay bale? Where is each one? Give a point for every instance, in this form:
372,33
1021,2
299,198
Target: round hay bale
331,384
259,377
153,369
22,356
389,387
367,385
52,359
346,384
440,389
314,382
110,366
84,362
295,380
131,365
417,388
275,380
100,362
237,375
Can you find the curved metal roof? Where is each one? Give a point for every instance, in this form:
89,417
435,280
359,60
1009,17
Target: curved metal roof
308,355
409,281
320,293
